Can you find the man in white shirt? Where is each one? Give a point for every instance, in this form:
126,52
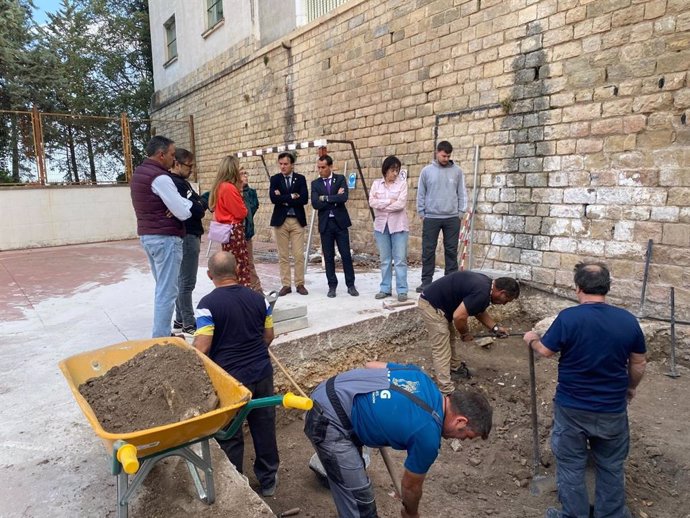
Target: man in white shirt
160,211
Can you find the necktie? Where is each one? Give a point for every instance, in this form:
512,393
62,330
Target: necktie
328,185
288,182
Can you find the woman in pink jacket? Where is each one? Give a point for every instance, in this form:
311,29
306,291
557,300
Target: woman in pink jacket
388,198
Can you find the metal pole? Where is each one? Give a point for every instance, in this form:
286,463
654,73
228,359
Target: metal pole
673,373
126,145
263,160
359,168
311,231
192,143
475,194
647,260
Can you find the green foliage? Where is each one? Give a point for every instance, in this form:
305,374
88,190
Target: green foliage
92,57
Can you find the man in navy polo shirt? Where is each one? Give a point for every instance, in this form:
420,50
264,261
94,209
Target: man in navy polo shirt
234,328
387,405
447,304
602,361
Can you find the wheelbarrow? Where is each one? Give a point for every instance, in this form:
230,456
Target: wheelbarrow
136,453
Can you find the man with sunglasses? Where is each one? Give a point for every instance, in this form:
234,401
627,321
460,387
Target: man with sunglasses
191,243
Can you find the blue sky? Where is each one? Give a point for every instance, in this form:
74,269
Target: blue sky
42,6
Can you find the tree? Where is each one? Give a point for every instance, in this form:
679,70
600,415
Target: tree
15,74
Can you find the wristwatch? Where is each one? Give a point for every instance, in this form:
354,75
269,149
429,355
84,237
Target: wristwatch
495,328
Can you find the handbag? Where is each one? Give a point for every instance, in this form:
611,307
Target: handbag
219,232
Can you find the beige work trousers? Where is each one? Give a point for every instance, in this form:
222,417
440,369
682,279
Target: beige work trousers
444,347
290,235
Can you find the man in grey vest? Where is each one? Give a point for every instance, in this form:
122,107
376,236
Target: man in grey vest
160,211
441,202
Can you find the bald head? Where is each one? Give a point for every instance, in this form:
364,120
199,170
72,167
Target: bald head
222,266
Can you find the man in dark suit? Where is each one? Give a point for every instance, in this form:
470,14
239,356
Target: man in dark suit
329,195
288,192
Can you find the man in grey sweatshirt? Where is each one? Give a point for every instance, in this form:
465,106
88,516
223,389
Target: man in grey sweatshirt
441,202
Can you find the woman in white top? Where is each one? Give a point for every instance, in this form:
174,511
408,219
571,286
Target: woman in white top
388,198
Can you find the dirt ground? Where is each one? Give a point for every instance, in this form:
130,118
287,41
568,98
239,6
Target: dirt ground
473,478
492,478
141,393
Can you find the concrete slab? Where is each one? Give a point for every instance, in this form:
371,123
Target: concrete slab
291,324
286,310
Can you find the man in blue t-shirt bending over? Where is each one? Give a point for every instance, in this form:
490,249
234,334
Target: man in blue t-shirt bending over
602,361
234,328
387,405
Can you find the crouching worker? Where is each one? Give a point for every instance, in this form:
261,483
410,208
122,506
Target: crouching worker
387,405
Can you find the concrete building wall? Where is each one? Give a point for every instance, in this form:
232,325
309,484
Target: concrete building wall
65,215
580,108
196,45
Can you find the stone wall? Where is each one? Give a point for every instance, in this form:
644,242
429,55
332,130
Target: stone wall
580,108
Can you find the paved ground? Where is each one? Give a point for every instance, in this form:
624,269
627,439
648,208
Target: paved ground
60,301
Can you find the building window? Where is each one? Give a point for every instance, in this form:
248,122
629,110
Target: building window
316,8
214,12
170,38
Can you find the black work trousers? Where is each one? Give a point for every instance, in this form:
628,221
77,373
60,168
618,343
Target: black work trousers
262,426
451,232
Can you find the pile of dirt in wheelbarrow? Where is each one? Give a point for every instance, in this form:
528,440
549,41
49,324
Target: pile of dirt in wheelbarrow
161,385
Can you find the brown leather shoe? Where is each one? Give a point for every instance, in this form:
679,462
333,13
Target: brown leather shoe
284,291
302,290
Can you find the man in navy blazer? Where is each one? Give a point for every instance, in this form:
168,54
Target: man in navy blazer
288,192
329,195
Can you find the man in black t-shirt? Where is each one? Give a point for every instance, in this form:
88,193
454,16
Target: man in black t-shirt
447,303
234,328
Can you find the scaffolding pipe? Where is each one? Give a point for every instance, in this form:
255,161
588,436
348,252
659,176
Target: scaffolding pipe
475,195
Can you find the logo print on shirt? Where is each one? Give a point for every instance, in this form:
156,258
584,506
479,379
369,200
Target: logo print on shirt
410,386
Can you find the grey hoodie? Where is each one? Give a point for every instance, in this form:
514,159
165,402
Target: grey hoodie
441,191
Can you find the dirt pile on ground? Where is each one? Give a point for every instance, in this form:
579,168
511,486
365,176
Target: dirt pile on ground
161,385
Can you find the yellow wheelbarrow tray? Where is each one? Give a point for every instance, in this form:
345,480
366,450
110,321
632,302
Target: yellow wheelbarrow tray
175,439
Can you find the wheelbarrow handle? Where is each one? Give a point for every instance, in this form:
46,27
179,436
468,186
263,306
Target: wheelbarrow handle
289,400
126,455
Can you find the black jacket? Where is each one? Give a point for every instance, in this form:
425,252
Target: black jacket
193,225
284,201
336,202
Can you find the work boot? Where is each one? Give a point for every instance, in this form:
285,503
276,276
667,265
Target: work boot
402,297
270,490
382,295
462,372
331,293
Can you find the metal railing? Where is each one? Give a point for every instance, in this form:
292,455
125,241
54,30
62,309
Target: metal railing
43,148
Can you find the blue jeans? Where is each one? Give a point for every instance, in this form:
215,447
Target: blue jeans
165,256
393,252
609,440
184,310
